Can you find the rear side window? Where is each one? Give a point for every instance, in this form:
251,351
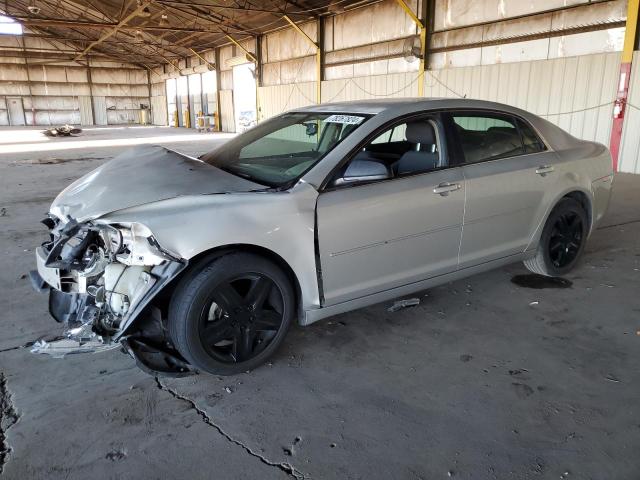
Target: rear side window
531,142
486,136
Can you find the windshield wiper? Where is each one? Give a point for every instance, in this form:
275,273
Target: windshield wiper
246,176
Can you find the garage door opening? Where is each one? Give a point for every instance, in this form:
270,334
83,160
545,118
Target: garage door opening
244,96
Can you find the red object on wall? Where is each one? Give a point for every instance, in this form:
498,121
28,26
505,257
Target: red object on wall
619,109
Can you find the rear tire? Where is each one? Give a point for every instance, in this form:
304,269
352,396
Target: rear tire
231,315
562,241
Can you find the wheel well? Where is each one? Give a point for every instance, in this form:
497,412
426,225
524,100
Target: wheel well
582,198
209,255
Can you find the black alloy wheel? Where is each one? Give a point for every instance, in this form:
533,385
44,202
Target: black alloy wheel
231,314
565,239
241,318
562,240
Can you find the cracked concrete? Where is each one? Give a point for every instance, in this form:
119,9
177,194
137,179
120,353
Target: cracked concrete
8,418
284,466
484,379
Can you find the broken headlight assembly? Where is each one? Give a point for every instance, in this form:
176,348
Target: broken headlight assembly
99,276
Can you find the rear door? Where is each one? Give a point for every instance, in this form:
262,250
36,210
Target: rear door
380,235
507,170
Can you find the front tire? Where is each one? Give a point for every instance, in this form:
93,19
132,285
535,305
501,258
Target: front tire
562,241
231,315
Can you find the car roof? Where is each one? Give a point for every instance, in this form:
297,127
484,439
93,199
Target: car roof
375,106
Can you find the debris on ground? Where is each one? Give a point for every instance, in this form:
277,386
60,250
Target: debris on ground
62,131
531,304
400,304
60,347
228,389
116,455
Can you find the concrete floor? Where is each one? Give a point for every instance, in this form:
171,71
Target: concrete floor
484,379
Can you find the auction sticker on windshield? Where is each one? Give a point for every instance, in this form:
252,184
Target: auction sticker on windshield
350,119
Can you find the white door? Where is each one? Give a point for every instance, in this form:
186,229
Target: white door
244,96
86,110
16,111
100,110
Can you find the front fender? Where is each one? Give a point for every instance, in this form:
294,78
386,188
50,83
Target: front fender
281,222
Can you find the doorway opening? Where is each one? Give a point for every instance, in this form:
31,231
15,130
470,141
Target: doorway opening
244,96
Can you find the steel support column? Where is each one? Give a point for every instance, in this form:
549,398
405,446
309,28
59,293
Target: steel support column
619,108
218,119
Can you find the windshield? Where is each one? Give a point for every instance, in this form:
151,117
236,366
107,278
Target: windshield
281,149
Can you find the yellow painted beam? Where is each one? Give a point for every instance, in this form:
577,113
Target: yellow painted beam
421,67
237,44
115,29
300,31
318,57
423,44
208,63
409,12
630,30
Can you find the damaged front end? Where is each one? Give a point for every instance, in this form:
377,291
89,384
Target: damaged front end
101,278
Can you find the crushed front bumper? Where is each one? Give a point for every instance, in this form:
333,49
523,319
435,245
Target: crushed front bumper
81,312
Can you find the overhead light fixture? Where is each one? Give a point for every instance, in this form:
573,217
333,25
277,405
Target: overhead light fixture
145,12
33,9
164,20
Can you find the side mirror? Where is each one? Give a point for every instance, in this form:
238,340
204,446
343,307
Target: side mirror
363,171
312,129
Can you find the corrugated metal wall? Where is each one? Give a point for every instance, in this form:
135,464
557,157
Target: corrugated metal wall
576,93
159,103
585,85
374,86
86,110
159,110
630,146
57,90
227,117
276,99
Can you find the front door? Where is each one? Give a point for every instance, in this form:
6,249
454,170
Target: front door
507,170
388,233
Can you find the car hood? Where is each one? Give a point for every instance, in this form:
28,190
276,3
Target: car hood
143,175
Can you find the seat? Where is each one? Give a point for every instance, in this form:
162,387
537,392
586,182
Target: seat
422,134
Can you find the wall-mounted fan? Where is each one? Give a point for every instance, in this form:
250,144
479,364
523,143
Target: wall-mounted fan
411,49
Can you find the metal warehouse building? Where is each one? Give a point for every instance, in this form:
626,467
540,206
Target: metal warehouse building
99,64
319,239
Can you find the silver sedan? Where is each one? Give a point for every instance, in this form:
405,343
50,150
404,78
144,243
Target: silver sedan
203,264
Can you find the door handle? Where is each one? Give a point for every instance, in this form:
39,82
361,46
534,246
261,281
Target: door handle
543,170
444,188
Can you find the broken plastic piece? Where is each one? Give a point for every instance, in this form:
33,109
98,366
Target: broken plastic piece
67,346
400,304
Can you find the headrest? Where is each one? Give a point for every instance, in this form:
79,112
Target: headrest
420,132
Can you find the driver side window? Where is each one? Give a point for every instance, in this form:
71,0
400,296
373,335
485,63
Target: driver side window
407,148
